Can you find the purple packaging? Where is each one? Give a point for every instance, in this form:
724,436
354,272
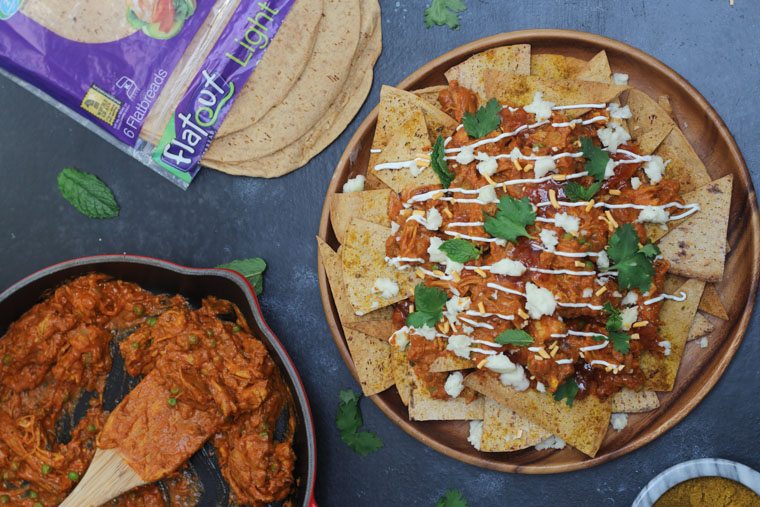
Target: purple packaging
121,67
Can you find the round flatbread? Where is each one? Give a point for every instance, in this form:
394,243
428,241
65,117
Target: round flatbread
312,95
283,63
87,22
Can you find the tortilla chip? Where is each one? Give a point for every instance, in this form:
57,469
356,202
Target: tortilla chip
380,329
430,94
515,90
685,165
598,69
659,370
700,328
438,122
583,425
423,407
372,360
712,304
550,66
629,401
664,102
450,362
370,205
697,247
374,183
471,73
363,257
649,124
505,431
402,374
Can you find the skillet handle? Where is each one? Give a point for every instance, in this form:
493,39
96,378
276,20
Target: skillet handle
313,502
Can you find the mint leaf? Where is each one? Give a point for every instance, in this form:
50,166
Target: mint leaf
567,391
252,269
348,421
634,266
514,337
485,120
596,158
452,498
577,192
460,250
428,305
87,193
444,12
510,220
439,164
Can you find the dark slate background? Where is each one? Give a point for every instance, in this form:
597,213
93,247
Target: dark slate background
220,218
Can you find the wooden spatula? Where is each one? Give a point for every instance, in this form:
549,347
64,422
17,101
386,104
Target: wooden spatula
108,477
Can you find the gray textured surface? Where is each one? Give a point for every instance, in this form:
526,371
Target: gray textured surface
221,218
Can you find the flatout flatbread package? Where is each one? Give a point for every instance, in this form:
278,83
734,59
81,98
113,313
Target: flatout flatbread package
165,107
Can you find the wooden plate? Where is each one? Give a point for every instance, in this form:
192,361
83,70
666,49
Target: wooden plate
701,368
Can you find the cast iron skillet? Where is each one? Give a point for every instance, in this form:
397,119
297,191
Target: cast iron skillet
194,284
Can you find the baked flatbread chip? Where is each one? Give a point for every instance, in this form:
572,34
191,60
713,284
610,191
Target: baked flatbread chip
402,374
712,304
380,329
676,316
372,360
505,431
685,165
370,205
701,327
697,247
629,401
423,407
550,66
598,69
664,102
649,123
438,122
450,362
430,94
583,425
363,257
517,91
471,73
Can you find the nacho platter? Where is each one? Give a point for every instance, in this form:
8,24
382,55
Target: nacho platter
535,77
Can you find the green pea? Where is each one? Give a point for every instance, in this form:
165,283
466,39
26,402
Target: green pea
192,339
236,328
46,469
138,310
135,345
151,321
73,476
32,494
172,402
92,428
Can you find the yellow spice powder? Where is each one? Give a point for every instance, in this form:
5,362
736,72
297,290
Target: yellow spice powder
709,492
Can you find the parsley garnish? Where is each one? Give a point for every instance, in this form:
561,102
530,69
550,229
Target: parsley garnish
596,158
620,340
633,264
428,306
577,192
452,498
514,337
444,12
568,390
87,193
510,221
439,165
484,121
349,420
460,250
252,269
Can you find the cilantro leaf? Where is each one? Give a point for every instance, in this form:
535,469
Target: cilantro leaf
460,250
634,265
596,158
514,337
620,340
452,498
650,250
348,421
568,390
87,193
484,121
615,321
428,302
510,220
439,164
444,12
252,269
577,192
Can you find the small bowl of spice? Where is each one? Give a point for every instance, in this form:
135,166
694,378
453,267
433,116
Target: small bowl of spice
707,482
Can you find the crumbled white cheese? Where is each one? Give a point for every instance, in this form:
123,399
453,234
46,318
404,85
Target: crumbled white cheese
617,294
587,293
654,169
630,299
619,421
499,364
386,287
620,79
540,387
603,261
355,184
635,182
394,228
703,342
415,169
613,135
468,330
621,113
508,267
540,107
487,165
476,433
539,301
459,344
570,223
543,166
549,239
629,316
439,256
609,169
427,332
401,338
434,220
515,154
665,344
510,374
553,442
487,195
454,384
455,306
654,215
465,156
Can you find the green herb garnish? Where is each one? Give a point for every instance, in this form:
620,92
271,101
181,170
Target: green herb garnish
428,306
577,192
252,269
444,12
510,220
349,420
73,476
621,341
568,390
45,469
634,265
484,121
459,250
87,193
514,337
452,498
172,402
596,159
439,165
